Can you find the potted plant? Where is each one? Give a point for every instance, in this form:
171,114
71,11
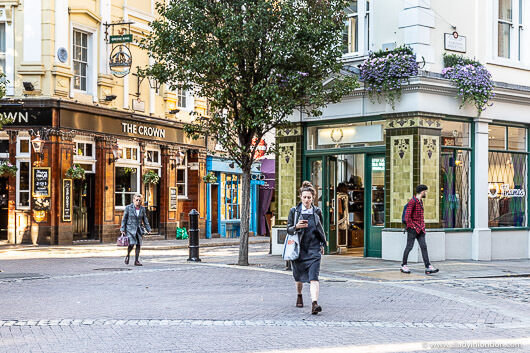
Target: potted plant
75,172
151,177
210,178
471,78
128,170
7,169
384,72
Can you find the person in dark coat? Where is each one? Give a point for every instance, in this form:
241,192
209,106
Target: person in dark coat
306,220
134,224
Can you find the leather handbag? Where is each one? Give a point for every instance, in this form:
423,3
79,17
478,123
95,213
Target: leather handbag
123,240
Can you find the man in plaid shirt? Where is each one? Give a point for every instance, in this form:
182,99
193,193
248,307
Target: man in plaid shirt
416,230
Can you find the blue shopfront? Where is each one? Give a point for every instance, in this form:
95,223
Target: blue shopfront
224,198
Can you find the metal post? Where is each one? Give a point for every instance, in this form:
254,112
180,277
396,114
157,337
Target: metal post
194,236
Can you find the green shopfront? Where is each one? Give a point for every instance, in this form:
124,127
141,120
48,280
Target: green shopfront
365,171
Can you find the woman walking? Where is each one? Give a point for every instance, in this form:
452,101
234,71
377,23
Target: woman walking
131,225
306,220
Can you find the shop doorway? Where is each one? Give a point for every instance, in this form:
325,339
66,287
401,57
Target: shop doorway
4,214
214,206
152,205
350,192
83,207
375,214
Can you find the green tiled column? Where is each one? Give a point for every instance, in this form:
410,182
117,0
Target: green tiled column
430,175
288,169
413,154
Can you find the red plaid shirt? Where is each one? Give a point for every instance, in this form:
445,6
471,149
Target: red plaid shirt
414,215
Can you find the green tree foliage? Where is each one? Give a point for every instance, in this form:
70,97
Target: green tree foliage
256,62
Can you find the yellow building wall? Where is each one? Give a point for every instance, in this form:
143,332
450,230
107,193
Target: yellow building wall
53,79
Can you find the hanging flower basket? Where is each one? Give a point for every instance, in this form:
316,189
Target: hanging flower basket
210,178
384,72
472,80
7,169
128,170
75,172
151,177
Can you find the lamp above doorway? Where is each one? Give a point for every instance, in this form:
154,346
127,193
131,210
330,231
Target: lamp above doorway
39,139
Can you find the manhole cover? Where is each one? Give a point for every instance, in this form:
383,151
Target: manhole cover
112,269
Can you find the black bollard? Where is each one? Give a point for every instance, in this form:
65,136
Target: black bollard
194,236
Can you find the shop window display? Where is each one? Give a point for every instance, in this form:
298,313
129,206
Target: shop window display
230,197
455,162
507,177
350,201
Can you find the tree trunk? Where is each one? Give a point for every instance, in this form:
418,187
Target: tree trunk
245,217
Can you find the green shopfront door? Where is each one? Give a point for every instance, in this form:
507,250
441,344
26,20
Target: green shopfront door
374,204
322,174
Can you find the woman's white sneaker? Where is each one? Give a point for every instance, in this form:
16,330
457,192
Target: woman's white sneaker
405,269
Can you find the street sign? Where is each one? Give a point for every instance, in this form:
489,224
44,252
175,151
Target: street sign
125,38
257,182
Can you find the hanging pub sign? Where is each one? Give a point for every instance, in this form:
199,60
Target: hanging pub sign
124,38
41,182
120,61
67,200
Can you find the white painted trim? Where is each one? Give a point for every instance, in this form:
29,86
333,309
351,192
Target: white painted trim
127,10
61,27
32,43
155,148
17,198
130,165
361,33
513,61
152,96
126,78
4,137
105,14
25,154
10,57
183,166
85,159
92,56
190,101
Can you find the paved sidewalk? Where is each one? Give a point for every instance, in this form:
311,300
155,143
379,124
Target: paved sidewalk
147,244
85,299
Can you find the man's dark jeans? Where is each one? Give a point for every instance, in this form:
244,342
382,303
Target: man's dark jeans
411,235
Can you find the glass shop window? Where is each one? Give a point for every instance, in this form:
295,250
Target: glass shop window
126,182
507,177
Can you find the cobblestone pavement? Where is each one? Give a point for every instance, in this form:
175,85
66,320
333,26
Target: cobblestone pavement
87,300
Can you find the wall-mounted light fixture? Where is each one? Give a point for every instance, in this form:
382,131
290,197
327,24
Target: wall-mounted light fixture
153,82
38,146
174,111
172,163
28,86
232,165
115,155
180,156
110,98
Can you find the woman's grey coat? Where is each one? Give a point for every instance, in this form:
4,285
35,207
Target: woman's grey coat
294,215
132,224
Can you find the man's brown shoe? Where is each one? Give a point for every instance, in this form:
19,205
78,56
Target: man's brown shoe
315,308
299,301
